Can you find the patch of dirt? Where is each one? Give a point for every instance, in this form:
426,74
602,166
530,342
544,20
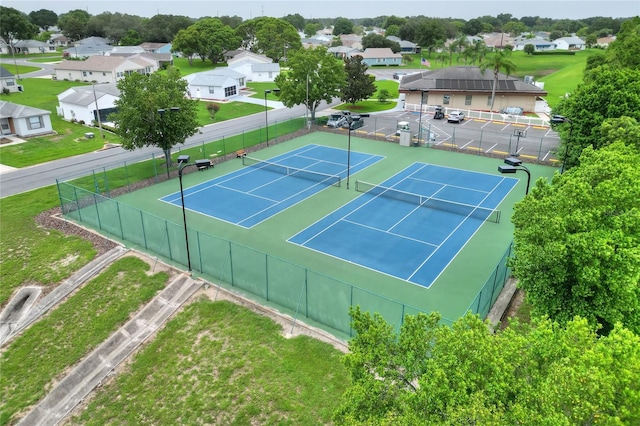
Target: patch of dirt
512,310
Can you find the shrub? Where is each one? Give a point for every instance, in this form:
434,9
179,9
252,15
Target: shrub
213,107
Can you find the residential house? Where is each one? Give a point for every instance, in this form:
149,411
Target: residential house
380,56
603,42
91,46
84,103
60,40
125,50
538,43
30,47
351,40
104,69
244,61
264,72
150,47
217,84
4,47
497,40
405,45
8,81
569,43
468,88
24,121
343,52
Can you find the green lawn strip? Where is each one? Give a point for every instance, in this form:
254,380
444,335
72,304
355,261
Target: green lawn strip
219,363
18,70
259,88
30,255
62,338
365,107
228,111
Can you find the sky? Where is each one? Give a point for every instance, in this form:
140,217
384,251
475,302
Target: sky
563,9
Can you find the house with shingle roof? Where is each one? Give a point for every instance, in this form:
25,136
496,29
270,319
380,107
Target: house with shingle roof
405,45
90,46
8,81
468,88
217,84
245,62
104,69
30,47
379,56
84,103
151,47
24,121
569,43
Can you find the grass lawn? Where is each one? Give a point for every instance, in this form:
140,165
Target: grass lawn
219,363
17,69
62,338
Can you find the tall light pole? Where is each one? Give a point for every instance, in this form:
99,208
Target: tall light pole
266,117
518,134
513,165
167,155
557,119
350,120
183,161
95,100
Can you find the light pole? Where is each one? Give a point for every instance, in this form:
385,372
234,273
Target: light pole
513,165
183,161
167,152
95,100
519,134
266,117
350,120
557,119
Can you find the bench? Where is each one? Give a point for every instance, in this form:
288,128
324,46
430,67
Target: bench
203,164
241,153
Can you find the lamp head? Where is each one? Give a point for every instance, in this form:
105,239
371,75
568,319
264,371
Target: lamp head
507,169
183,159
513,161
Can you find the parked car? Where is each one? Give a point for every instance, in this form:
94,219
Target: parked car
398,75
438,112
336,120
455,117
356,122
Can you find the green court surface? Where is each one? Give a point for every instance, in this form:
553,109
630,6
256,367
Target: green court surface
297,291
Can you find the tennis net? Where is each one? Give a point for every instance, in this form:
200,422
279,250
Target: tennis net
462,209
292,171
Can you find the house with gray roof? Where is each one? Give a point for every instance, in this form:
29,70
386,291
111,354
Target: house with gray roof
30,47
104,69
217,84
254,67
343,52
84,103
569,43
8,81
24,121
539,44
468,88
91,46
151,47
380,56
405,45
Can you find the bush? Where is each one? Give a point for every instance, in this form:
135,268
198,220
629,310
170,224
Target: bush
5,91
213,107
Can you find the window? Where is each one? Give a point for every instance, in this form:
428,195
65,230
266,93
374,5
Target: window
230,91
35,123
468,99
84,73
446,99
10,82
212,89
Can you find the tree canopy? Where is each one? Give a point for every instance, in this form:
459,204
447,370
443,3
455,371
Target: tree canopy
314,76
73,24
606,92
577,240
152,110
342,26
44,18
15,25
208,38
434,374
359,85
497,62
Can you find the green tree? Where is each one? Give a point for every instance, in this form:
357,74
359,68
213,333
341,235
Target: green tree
605,93
44,18
14,26
74,23
376,40
529,49
296,20
163,28
314,76
208,38
311,29
383,95
146,111
359,85
581,254
131,38
497,62
434,374
392,30
275,37
114,26
624,51
342,26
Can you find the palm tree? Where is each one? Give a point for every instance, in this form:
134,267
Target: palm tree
497,62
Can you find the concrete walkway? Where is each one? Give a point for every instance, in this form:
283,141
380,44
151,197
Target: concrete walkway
87,375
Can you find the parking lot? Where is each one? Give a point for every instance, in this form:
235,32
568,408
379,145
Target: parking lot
532,142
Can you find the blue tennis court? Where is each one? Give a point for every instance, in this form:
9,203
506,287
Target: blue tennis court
412,225
253,194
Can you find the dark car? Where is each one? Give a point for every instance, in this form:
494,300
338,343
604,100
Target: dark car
356,122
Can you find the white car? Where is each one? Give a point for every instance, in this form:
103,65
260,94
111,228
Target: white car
455,117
